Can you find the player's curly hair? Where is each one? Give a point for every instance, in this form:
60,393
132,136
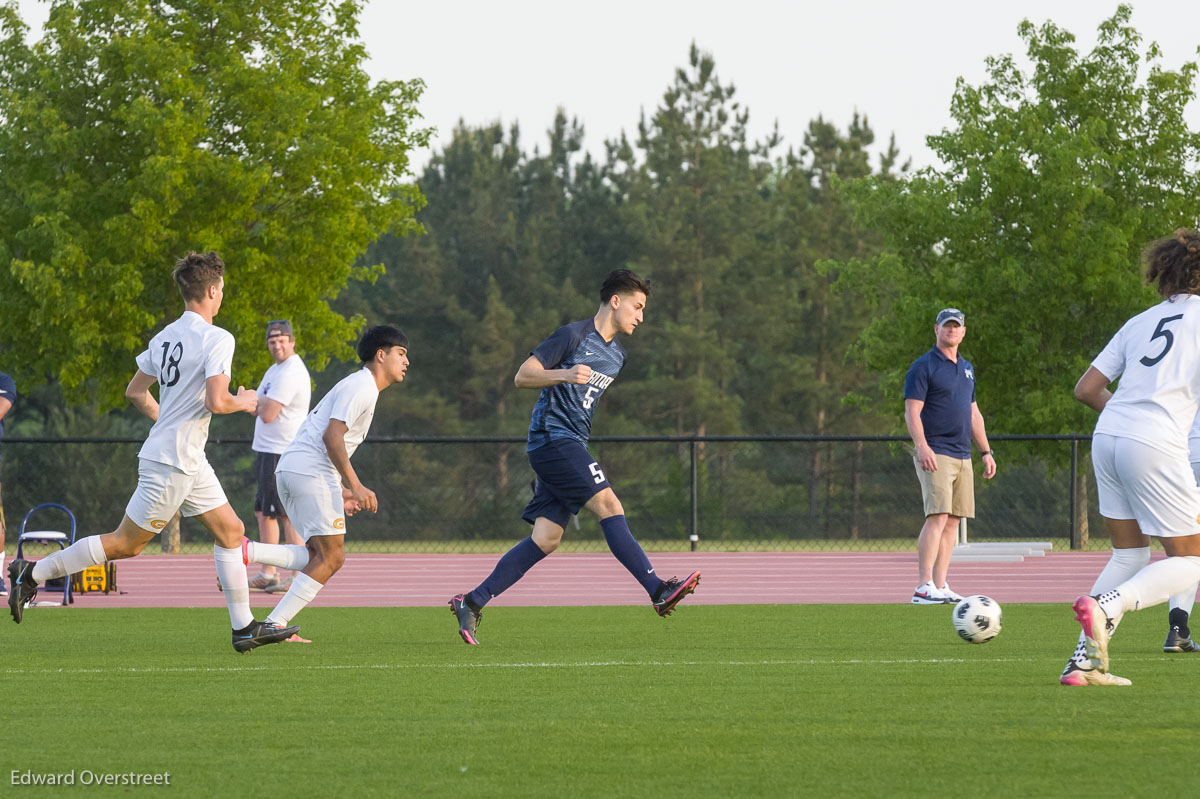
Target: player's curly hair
623,281
195,272
1174,262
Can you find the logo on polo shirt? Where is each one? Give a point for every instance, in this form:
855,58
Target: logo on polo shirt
969,373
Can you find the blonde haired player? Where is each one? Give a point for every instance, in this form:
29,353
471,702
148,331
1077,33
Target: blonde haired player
191,361
1144,482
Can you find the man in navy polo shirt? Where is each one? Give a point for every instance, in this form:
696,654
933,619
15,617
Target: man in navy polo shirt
942,418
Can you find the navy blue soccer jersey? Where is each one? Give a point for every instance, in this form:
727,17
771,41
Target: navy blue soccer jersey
565,410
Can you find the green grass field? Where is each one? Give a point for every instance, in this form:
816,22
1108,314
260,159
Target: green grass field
809,700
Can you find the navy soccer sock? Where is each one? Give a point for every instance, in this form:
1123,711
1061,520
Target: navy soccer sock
630,553
511,567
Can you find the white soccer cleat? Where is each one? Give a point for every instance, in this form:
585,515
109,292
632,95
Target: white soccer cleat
1077,676
1095,630
928,594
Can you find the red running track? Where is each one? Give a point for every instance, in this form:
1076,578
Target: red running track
598,579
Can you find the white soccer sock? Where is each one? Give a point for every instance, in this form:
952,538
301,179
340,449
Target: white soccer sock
1122,564
285,556
75,558
234,585
304,590
1152,586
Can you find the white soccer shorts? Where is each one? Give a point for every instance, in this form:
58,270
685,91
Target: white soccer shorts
162,489
1137,481
314,504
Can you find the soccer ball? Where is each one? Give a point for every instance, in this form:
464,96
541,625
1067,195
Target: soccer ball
977,619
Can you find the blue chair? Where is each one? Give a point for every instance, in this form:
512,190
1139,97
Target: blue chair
49,537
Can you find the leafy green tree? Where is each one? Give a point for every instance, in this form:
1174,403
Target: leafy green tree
1053,180
135,131
695,195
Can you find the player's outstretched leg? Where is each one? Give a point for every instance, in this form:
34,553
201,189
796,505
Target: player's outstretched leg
22,587
260,633
673,590
468,614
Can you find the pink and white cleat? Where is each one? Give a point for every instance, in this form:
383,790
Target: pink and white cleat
1095,630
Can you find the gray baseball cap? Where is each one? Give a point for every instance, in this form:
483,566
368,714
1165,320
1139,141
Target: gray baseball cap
280,327
951,315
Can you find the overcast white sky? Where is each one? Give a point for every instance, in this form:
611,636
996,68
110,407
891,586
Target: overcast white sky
606,61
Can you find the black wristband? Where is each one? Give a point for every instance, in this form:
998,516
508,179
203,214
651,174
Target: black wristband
985,452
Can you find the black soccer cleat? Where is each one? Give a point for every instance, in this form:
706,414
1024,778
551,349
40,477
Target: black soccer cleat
260,633
468,618
23,588
1178,642
673,590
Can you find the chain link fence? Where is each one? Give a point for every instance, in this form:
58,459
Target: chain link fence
726,493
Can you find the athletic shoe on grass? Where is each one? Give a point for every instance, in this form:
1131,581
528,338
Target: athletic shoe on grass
468,618
1095,630
280,586
673,590
1077,676
24,589
1176,642
260,633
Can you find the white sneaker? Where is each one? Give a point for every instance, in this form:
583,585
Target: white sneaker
1077,676
951,597
928,594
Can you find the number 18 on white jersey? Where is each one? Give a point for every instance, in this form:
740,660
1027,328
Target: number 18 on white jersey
182,357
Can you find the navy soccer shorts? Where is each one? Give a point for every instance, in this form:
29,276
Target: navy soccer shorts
567,477
266,499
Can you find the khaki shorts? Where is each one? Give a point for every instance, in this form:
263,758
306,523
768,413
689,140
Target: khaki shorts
951,489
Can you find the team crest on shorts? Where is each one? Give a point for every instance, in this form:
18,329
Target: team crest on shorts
159,524
339,524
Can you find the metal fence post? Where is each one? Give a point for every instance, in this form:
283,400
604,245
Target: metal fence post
1074,521
694,533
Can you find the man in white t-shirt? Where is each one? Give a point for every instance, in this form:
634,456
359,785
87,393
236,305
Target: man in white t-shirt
191,361
283,397
316,465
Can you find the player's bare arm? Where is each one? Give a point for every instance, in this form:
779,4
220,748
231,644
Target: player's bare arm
268,409
533,375
912,418
1092,389
139,396
218,399
979,433
5,404
335,445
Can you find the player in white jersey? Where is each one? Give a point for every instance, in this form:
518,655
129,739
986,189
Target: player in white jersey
314,467
191,361
1145,484
283,397
1179,636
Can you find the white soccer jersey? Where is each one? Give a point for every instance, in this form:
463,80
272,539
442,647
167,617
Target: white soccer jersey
1194,441
352,401
1156,354
288,384
183,356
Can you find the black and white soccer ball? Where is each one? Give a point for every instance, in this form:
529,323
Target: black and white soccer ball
977,619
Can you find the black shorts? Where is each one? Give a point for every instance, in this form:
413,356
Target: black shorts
266,499
567,477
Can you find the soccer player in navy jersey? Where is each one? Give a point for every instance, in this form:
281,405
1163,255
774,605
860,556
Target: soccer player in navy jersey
573,368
